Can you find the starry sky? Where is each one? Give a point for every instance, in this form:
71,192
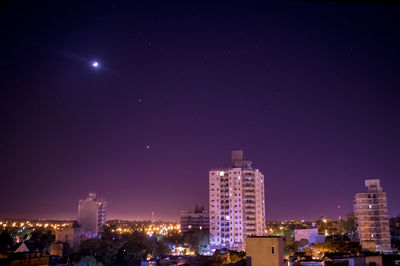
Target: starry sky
308,89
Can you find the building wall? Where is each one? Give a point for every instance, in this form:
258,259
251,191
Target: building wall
373,260
265,251
236,202
371,213
56,249
310,234
70,235
92,214
192,221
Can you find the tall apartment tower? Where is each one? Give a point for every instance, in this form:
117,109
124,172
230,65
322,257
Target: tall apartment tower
236,199
92,214
371,212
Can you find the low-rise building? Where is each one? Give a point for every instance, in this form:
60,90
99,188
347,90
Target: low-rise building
311,235
264,251
197,220
71,236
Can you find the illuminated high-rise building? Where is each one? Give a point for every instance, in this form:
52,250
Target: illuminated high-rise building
371,212
237,204
92,214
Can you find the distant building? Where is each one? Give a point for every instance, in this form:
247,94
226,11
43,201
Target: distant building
236,198
92,214
310,234
395,231
264,251
72,236
371,212
197,220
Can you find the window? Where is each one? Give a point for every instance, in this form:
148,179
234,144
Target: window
273,250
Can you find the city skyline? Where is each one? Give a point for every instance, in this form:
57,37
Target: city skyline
171,218
138,101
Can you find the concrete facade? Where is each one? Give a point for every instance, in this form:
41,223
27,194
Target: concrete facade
236,201
197,220
310,234
92,214
71,236
371,212
264,251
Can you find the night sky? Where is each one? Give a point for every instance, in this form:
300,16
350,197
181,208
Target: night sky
309,90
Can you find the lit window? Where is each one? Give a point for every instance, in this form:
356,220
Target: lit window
221,173
370,206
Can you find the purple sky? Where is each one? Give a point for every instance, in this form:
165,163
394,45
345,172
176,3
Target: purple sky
309,90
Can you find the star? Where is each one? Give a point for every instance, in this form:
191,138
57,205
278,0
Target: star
148,147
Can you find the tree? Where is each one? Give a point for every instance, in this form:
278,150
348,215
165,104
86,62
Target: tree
173,238
99,249
6,240
197,241
235,256
338,247
290,246
303,242
92,247
349,226
88,261
44,236
160,248
109,257
134,250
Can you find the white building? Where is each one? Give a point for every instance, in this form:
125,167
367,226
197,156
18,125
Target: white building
310,234
92,214
72,235
237,207
371,212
